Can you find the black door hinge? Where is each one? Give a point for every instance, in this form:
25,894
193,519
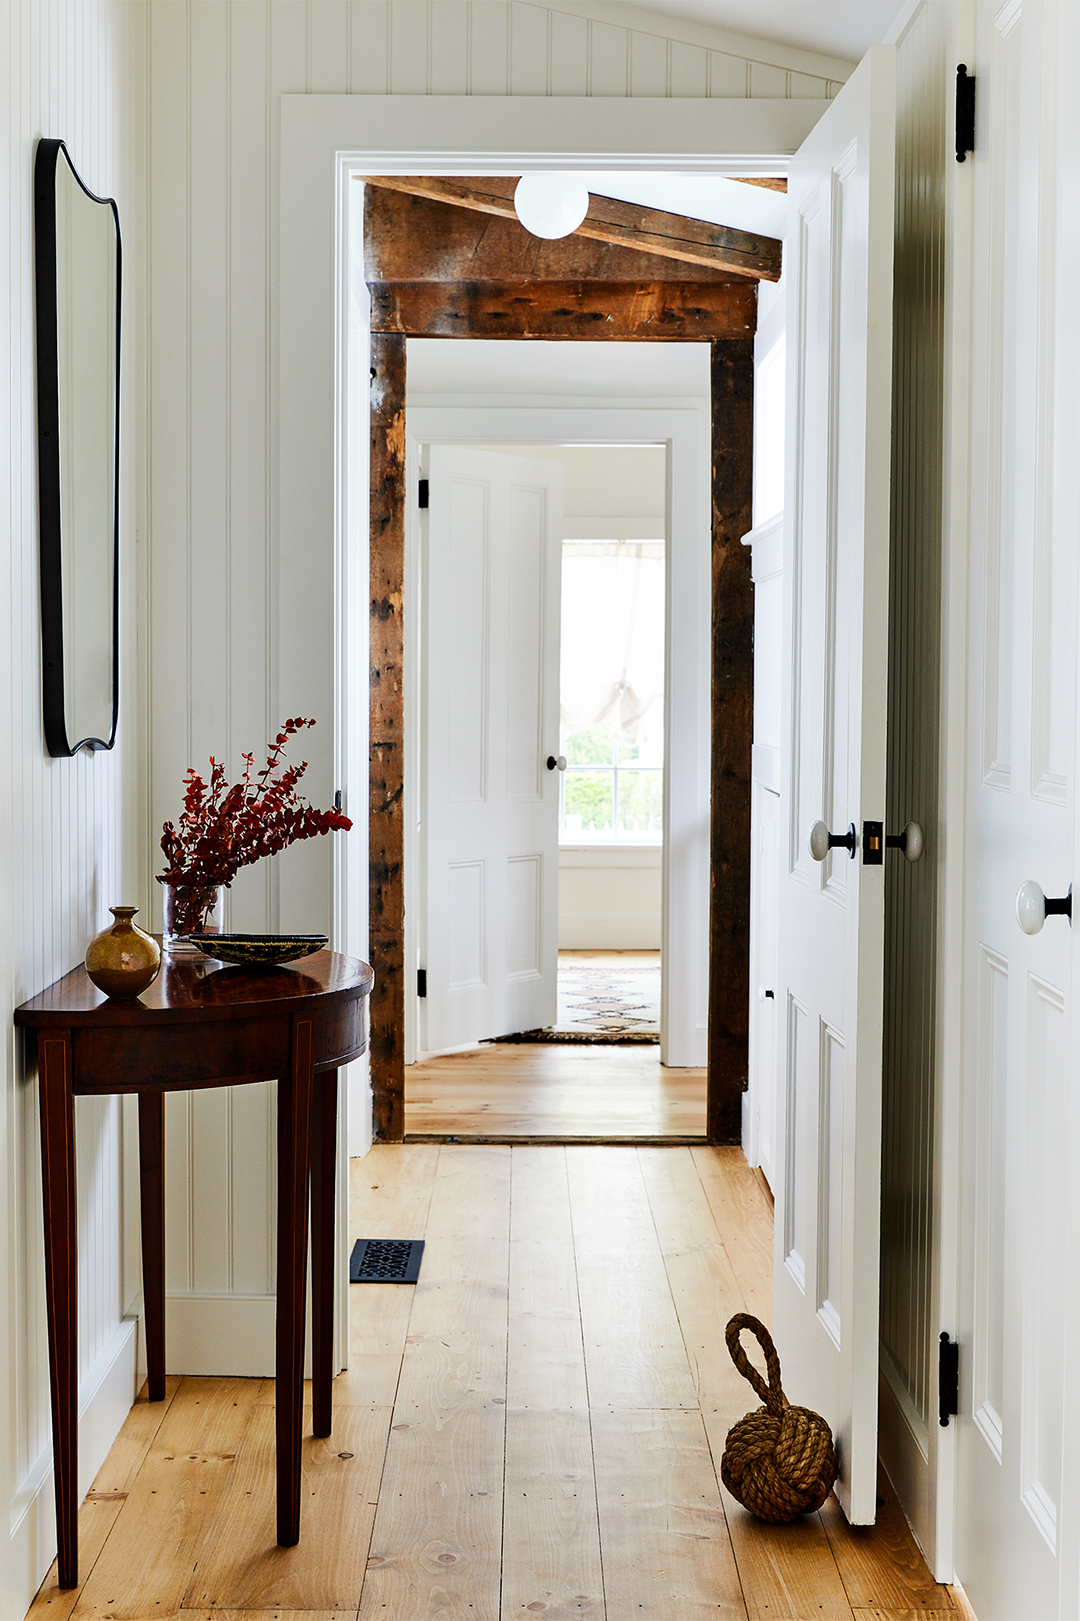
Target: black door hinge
422,499
965,112
421,982
337,800
948,1380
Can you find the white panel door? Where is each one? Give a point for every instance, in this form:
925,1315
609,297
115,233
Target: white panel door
836,569
489,817
1018,1514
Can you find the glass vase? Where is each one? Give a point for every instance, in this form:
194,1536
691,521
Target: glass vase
191,909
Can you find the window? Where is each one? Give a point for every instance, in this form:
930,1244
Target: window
612,692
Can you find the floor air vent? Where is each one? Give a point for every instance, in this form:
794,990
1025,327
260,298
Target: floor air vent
386,1260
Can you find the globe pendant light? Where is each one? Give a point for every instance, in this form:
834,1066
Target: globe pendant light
551,205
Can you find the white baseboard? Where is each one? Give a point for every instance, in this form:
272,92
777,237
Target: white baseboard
357,1077
634,932
221,1336
226,1336
105,1399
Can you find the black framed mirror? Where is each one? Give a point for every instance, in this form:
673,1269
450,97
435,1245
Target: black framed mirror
77,268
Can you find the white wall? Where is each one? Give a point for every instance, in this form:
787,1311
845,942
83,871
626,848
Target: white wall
225,588
610,900
65,825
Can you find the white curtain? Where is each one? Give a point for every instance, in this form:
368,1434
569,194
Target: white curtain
612,633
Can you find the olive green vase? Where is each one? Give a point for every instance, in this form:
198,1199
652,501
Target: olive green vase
123,960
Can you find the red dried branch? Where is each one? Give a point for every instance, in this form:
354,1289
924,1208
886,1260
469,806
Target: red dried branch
223,828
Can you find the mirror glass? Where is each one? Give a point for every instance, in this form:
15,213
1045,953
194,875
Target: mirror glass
78,249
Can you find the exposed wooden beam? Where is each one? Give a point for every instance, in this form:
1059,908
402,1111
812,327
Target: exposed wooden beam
732,730
386,822
409,239
615,310
628,225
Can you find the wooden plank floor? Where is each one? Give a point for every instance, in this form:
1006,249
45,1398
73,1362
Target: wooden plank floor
535,1429
553,1091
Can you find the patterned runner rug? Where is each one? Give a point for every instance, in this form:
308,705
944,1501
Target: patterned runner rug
603,1003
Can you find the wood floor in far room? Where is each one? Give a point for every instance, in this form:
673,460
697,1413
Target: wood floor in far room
554,1091
534,1429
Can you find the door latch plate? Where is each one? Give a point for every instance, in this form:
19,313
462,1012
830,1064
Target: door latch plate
873,844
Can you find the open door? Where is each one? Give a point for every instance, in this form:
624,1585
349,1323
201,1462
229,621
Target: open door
490,798
831,902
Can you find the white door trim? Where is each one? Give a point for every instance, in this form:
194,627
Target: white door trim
685,429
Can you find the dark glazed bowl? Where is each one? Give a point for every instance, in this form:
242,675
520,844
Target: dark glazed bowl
258,950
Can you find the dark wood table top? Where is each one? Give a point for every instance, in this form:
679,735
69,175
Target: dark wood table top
192,988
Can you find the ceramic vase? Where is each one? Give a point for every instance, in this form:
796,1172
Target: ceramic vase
123,960
191,909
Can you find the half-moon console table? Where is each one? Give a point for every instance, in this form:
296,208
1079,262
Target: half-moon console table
200,1024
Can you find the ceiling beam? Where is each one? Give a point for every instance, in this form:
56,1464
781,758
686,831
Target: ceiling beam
627,225
658,312
413,239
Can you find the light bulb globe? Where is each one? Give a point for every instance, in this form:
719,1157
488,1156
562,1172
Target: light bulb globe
551,205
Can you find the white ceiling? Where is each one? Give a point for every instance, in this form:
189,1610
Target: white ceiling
699,197
836,27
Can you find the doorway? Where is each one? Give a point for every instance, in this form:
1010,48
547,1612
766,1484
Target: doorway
718,311
564,622
657,400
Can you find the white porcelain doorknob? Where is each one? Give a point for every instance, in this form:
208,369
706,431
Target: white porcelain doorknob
820,841
911,841
1033,907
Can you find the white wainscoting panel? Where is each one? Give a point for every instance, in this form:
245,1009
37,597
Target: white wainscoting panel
65,825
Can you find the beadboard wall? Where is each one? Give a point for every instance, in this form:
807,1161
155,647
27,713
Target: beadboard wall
64,824
217,72
909,1237
215,562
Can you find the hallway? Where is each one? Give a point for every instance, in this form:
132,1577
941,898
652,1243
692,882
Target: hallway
533,1430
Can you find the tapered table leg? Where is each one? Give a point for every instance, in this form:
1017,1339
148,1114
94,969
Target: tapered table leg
294,1130
152,1200
323,1206
58,1197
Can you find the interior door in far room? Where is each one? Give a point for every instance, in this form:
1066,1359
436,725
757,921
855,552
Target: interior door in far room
836,573
489,819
